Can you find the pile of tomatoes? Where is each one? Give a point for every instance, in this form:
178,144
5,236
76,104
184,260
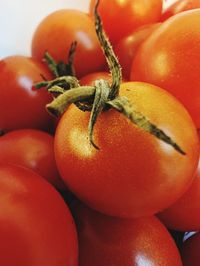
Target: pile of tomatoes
65,202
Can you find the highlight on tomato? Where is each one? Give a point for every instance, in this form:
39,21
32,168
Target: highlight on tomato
21,105
121,18
179,6
169,59
32,149
107,241
126,48
58,30
36,226
184,215
133,173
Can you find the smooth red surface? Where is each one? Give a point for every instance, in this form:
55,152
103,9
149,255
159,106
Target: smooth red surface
90,78
133,173
179,6
110,241
56,33
184,215
121,18
190,251
32,149
21,105
170,58
126,48
36,227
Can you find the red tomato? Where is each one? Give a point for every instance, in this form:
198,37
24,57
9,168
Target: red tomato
90,78
184,215
180,6
133,174
36,227
127,47
121,18
22,106
107,241
190,251
56,33
170,58
32,149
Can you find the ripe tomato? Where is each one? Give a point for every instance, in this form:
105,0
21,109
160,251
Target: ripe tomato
32,149
36,227
127,47
90,78
190,251
133,174
107,241
22,106
184,215
56,33
180,6
121,18
170,58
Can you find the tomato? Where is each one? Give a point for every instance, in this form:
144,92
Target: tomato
133,174
22,106
170,57
32,149
190,251
56,33
36,227
184,215
105,240
121,18
90,78
179,6
127,47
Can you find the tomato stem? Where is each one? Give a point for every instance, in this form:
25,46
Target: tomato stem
123,105
111,58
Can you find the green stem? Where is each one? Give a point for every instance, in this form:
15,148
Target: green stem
60,104
122,105
112,60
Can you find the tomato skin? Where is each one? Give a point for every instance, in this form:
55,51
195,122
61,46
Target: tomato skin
131,165
32,149
136,12
184,215
169,59
36,225
105,240
90,78
127,47
22,106
179,6
190,251
56,33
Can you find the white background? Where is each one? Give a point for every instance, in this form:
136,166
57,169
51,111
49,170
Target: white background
19,18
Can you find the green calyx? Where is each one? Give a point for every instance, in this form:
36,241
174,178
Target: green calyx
100,97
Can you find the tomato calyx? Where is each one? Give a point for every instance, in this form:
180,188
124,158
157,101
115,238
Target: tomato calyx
101,96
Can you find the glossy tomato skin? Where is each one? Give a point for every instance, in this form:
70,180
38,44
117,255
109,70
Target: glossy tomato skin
90,78
126,48
105,240
32,149
133,174
36,225
56,33
169,59
121,18
184,215
21,105
190,251
179,6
